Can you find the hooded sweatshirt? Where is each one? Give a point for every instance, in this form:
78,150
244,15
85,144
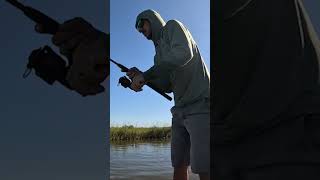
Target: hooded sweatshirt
178,66
267,69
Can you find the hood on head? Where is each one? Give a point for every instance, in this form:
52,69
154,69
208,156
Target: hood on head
156,21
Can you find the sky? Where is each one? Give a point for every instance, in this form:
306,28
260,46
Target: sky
48,130
130,48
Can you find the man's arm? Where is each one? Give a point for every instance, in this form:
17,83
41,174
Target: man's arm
175,50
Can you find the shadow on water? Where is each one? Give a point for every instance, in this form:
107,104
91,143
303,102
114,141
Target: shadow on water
141,160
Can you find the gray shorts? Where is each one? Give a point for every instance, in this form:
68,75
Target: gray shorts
190,137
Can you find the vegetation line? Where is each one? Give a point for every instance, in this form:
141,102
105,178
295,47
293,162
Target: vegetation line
129,133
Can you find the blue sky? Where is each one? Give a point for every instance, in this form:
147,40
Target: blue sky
130,48
47,129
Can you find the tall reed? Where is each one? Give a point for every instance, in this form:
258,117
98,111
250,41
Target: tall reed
129,133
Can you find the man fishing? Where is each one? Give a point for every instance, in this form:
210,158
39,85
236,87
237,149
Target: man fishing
179,68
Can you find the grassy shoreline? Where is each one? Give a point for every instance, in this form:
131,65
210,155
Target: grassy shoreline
131,133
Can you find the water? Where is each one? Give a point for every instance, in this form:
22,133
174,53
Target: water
141,161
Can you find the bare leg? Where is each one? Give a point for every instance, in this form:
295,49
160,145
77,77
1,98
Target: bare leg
204,177
180,173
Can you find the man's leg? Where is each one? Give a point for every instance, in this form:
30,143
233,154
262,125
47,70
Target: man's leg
204,176
198,126
180,147
180,173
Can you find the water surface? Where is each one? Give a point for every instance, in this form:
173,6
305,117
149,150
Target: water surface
141,161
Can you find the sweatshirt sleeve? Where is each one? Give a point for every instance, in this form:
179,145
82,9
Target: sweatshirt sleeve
173,51
281,75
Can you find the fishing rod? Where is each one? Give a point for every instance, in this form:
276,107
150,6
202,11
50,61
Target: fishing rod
48,65
49,25
125,82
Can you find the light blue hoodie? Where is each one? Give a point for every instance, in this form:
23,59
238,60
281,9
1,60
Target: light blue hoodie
178,65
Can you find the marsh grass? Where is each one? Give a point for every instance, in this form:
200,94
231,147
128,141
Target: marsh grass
131,133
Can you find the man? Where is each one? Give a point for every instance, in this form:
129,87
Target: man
89,49
266,92
179,68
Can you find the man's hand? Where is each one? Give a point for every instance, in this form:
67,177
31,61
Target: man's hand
137,79
137,82
88,48
133,72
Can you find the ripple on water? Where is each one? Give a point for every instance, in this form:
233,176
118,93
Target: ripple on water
141,160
